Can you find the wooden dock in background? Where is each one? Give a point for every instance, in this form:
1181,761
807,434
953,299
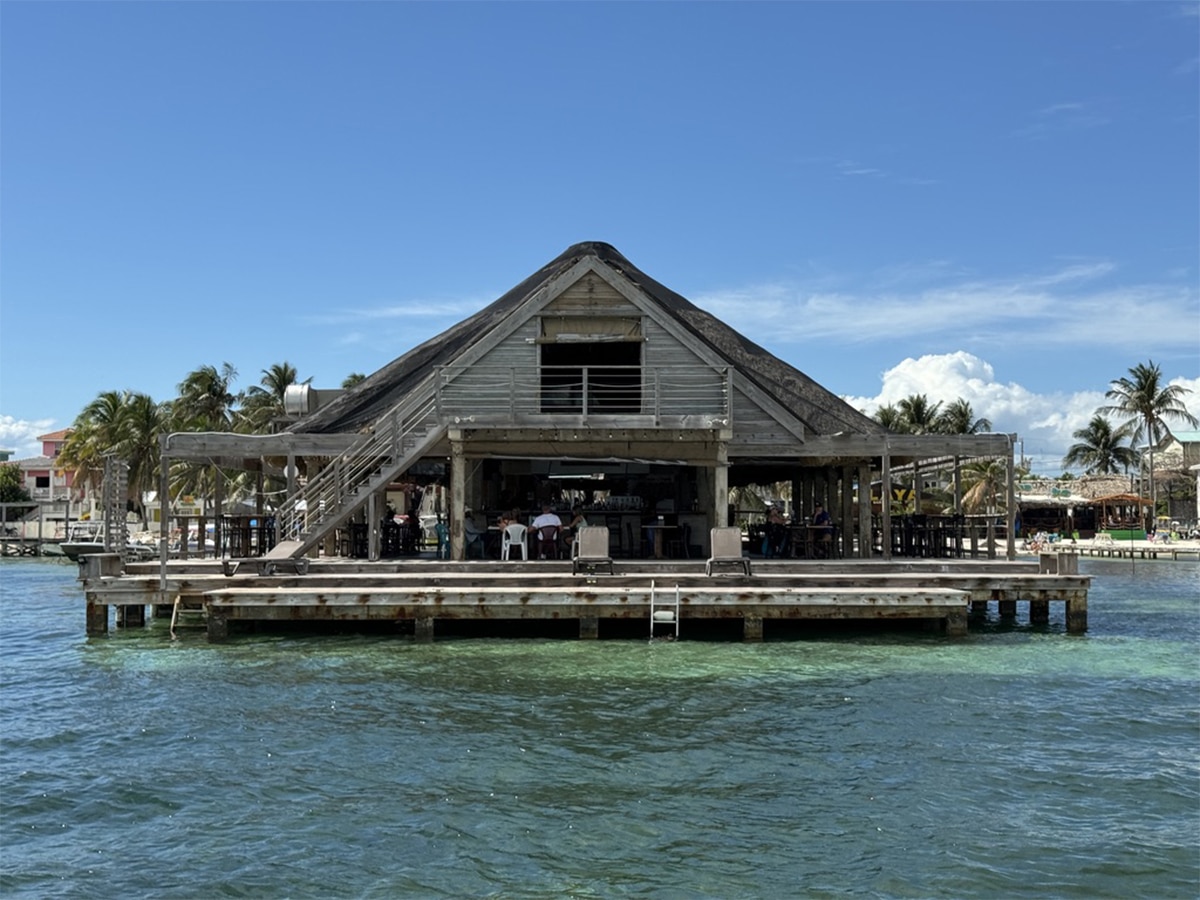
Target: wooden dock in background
422,593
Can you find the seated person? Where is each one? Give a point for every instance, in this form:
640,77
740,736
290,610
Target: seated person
823,529
472,536
547,526
578,520
776,533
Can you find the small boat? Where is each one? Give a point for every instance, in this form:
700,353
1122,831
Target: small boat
88,537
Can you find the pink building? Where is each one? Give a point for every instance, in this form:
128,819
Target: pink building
45,483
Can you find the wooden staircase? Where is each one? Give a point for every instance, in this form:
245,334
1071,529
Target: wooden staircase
338,491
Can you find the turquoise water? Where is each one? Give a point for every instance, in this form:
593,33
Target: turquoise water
1017,762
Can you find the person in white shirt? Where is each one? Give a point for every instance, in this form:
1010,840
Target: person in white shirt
548,526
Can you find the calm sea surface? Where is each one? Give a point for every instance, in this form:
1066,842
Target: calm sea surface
1017,762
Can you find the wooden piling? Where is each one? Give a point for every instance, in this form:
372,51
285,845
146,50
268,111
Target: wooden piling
131,616
97,618
589,628
1077,613
752,629
1039,612
956,623
218,626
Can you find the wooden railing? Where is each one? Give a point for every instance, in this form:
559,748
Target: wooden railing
330,497
669,396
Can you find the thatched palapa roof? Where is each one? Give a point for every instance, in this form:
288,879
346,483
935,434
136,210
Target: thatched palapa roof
821,411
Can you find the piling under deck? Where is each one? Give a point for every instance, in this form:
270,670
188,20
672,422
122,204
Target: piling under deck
422,592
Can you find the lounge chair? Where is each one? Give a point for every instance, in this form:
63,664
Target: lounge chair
726,543
592,549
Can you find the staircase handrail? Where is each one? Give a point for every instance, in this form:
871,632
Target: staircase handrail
327,492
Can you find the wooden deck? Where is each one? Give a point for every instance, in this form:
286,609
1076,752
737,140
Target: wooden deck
945,593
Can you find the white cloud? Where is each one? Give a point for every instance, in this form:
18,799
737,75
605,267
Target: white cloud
1061,117
1044,422
20,435
1068,305
450,310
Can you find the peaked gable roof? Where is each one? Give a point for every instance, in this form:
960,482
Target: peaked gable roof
821,411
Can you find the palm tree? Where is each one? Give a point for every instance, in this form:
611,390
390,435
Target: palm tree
919,415
120,423
144,421
95,432
984,482
263,403
206,403
1101,449
354,378
959,418
1146,403
206,400
890,418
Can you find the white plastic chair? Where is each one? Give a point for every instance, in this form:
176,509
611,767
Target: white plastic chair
726,543
514,536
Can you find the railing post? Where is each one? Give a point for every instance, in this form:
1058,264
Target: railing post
583,409
657,397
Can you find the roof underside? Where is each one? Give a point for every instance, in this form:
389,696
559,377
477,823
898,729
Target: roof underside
821,411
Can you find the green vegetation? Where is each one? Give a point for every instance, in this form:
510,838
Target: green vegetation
128,425
12,484
916,415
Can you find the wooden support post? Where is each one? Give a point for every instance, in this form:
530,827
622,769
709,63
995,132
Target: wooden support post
1010,520
866,540
218,512
589,628
1077,613
97,618
218,626
423,629
374,531
721,485
885,501
1008,609
956,623
752,628
458,497
846,513
1039,612
131,616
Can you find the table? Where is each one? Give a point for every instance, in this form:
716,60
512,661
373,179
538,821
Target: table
808,540
656,536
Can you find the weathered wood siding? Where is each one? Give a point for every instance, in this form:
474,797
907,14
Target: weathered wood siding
688,395
754,426
591,294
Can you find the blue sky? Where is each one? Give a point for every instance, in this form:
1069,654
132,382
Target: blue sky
999,201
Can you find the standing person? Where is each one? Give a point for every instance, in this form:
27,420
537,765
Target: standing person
776,532
823,525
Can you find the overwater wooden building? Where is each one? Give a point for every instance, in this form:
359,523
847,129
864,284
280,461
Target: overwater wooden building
592,377
589,382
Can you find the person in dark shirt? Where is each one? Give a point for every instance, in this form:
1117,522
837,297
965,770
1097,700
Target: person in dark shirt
823,529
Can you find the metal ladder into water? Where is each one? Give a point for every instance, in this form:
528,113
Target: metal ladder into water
187,614
663,612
